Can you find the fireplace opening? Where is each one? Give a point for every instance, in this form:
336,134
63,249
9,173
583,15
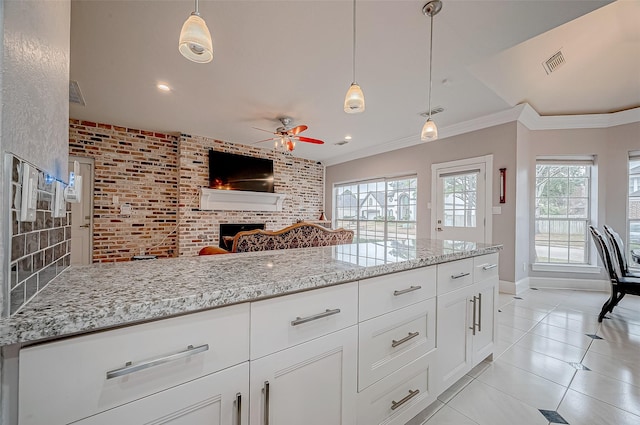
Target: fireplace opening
228,231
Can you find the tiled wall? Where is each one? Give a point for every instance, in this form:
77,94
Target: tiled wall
300,179
160,176
132,167
40,250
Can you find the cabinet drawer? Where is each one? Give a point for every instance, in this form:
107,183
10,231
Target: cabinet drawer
289,320
379,295
393,340
64,381
454,275
221,398
485,267
400,396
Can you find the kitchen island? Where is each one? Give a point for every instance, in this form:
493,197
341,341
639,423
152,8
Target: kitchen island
255,324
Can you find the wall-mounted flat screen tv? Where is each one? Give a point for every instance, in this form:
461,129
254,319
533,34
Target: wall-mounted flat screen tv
228,171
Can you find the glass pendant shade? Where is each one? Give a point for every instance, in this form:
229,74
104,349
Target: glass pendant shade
429,131
354,100
195,40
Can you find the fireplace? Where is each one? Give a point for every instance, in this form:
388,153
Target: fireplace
230,230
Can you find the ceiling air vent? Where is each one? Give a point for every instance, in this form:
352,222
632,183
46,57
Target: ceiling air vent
75,95
554,62
434,111
341,143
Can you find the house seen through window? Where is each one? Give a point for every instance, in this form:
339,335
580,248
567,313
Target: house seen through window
378,209
562,212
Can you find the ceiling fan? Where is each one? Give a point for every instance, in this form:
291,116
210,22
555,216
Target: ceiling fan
286,136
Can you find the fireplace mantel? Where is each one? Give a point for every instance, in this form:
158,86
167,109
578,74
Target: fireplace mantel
239,200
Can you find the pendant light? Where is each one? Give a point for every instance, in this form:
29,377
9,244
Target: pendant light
195,40
429,130
354,100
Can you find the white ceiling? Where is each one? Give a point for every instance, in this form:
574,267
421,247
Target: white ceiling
293,58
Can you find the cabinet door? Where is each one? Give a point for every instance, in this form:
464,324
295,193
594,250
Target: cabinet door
483,340
216,399
453,337
313,383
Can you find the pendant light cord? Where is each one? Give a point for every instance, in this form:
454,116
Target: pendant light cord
430,63
354,41
197,12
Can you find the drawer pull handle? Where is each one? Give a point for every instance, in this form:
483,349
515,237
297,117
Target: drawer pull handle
489,266
238,409
479,312
265,391
411,335
473,323
412,394
458,276
409,289
326,313
131,368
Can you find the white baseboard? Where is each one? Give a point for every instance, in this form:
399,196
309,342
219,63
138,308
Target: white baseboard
514,288
568,283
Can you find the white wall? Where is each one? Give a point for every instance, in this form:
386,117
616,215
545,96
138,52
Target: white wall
34,115
500,141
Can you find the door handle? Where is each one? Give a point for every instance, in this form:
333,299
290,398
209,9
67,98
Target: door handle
439,229
473,322
265,391
479,312
238,409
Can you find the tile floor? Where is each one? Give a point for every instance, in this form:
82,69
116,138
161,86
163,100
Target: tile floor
552,355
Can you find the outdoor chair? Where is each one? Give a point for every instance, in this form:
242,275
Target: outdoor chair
620,285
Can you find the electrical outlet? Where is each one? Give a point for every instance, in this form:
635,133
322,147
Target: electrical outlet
126,209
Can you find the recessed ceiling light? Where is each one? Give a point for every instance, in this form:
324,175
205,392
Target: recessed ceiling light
163,87
347,137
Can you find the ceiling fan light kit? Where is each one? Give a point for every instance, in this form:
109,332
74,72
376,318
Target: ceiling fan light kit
195,39
354,100
430,130
286,136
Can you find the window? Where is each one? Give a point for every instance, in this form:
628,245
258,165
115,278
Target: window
562,211
460,193
378,209
633,214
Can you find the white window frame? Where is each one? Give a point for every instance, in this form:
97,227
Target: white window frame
633,156
385,208
591,266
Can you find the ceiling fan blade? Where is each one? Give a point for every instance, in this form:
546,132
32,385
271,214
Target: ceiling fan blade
256,128
297,130
309,140
265,140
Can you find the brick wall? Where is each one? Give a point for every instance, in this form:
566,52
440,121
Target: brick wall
140,168
160,176
300,179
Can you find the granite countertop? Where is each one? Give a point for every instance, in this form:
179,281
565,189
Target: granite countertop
99,296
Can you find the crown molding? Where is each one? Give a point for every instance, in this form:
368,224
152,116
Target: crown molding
523,113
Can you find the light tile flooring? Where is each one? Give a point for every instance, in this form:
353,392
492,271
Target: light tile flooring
542,339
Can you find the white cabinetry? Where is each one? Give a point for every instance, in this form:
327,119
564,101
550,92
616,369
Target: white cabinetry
396,344
467,295
313,383
217,399
71,379
304,358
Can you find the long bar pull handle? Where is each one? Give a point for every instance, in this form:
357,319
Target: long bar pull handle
265,391
131,368
409,289
479,312
238,409
458,276
411,335
326,313
412,394
489,266
473,323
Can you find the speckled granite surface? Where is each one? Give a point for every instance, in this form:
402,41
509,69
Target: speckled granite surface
86,298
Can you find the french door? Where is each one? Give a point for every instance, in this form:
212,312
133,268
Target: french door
462,204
